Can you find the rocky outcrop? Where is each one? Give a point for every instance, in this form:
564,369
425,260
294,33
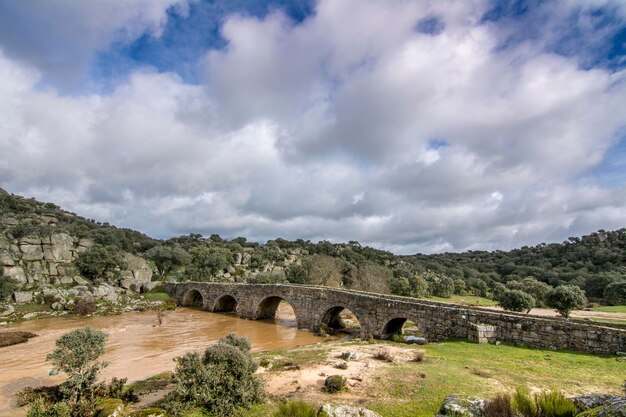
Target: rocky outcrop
600,405
37,261
346,411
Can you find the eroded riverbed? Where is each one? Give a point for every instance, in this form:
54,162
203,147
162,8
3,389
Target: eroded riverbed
136,347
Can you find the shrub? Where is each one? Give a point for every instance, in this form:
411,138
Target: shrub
398,338
295,408
334,383
220,381
242,343
500,406
383,354
41,409
76,355
566,298
6,289
523,403
98,261
341,365
554,404
615,293
84,306
516,300
419,356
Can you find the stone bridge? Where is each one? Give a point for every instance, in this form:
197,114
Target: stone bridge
383,315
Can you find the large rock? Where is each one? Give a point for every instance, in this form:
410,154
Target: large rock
615,408
31,252
23,297
16,275
6,258
587,401
151,286
62,245
142,273
346,411
461,405
6,310
105,292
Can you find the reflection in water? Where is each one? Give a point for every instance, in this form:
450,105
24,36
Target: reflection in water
136,348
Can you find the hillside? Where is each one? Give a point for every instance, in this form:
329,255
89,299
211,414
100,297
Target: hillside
43,246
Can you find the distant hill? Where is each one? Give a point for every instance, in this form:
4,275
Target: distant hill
590,262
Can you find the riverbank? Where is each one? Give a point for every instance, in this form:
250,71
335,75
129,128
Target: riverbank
137,346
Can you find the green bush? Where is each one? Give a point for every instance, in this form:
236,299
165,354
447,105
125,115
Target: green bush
566,298
524,403
554,404
42,409
220,381
335,383
6,288
243,343
615,293
295,408
516,300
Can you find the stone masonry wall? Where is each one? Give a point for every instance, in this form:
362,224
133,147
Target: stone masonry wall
314,306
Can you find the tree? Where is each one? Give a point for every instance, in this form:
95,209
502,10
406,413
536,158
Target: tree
221,381
76,355
206,262
99,261
566,298
441,285
517,300
166,258
615,293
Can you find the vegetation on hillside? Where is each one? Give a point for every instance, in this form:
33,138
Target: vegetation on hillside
518,279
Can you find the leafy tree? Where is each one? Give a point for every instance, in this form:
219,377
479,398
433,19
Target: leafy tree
76,355
419,286
441,285
615,293
221,381
206,262
296,274
99,261
400,286
517,300
566,298
269,277
167,258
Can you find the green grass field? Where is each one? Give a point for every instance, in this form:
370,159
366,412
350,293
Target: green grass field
611,309
470,300
460,367
156,296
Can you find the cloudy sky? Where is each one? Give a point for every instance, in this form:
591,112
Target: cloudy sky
413,126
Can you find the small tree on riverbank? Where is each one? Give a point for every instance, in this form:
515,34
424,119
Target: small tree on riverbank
76,355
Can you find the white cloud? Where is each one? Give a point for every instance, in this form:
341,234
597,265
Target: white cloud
323,130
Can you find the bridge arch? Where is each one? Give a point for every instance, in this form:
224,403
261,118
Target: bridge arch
193,298
331,317
225,303
398,325
268,307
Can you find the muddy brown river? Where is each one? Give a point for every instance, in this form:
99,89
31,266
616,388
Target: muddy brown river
136,348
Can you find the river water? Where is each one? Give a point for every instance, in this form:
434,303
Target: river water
136,347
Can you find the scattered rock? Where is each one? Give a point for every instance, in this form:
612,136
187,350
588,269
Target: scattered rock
151,286
23,297
349,356
346,411
415,340
80,280
6,310
461,405
588,401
